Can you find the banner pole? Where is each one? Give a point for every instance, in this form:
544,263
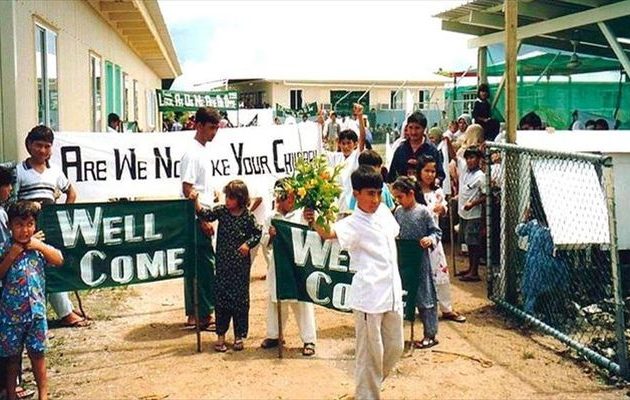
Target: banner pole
413,322
452,228
196,289
280,334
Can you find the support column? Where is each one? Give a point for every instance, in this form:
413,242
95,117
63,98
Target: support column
482,65
615,46
511,189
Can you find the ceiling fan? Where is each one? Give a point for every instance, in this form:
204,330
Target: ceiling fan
574,61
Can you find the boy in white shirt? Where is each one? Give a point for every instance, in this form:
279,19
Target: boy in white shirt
369,235
351,146
304,311
469,203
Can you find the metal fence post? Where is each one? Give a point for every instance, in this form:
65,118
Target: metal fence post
620,323
489,216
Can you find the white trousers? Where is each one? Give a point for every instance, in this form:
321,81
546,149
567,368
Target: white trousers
60,303
304,314
380,344
444,297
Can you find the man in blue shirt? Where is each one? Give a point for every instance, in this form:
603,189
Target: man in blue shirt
410,150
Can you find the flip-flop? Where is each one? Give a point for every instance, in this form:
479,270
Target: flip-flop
468,278
308,350
80,323
22,393
426,343
238,345
453,316
220,347
462,273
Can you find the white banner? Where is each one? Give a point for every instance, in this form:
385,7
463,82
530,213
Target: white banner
147,165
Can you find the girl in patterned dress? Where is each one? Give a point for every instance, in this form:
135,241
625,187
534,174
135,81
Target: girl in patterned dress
238,233
416,223
436,201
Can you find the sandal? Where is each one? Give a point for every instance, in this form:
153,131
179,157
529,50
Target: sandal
462,273
454,316
220,347
270,343
426,343
79,323
21,393
308,350
238,345
470,278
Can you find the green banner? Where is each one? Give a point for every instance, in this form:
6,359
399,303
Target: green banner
310,269
170,100
118,244
309,109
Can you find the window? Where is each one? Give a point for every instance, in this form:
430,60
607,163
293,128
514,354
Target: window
113,88
127,99
423,99
136,116
151,110
296,99
47,79
396,100
96,95
469,101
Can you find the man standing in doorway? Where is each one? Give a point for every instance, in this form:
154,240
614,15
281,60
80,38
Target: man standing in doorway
194,175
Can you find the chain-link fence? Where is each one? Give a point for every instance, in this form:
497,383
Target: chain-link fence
552,248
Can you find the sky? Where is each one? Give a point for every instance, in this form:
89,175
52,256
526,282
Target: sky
378,40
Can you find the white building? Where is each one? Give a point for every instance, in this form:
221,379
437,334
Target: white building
68,64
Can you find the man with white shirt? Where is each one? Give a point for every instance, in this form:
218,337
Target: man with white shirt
194,175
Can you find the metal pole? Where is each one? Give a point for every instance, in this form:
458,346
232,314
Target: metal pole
622,347
588,353
452,227
489,216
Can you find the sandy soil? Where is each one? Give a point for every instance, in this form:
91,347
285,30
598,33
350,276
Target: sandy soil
142,352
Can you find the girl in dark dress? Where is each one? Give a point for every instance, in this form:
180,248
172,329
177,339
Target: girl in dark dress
482,113
238,233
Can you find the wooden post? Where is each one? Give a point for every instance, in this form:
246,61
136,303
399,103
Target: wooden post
482,64
511,25
280,334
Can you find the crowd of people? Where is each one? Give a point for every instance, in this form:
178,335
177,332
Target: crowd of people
429,168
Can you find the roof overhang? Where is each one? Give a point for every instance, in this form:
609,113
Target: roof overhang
557,24
433,80
140,24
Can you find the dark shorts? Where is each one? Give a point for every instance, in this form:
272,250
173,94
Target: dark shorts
14,337
471,230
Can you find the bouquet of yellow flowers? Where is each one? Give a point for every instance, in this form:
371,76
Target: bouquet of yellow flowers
316,187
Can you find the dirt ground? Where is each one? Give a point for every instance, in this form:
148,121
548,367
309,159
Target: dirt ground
138,350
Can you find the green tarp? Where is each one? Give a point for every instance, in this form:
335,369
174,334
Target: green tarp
118,244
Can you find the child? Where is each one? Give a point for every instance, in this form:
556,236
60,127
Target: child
304,311
374,160
23,305
469,206
37,179
369,235
351,146
436,202
238,233
416,223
